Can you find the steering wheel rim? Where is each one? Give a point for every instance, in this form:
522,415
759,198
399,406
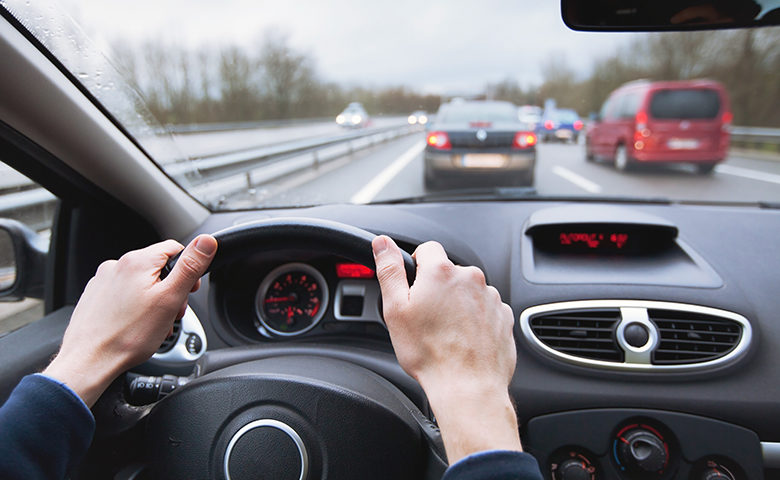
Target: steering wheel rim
311,234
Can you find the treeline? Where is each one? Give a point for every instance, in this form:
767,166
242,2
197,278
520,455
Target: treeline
275,81
232,85
747,62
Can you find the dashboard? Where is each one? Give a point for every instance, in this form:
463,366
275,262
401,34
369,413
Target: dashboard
647,338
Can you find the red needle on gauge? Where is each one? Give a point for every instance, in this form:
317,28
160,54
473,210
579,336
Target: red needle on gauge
289,315
279,299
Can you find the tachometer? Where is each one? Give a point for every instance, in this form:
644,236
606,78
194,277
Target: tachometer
291,300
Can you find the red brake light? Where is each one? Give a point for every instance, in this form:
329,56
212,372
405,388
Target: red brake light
549,125
578,125
353,270
480,124
727,117
641,120
439,140
524,140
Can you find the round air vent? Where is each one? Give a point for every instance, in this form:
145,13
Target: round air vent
636,335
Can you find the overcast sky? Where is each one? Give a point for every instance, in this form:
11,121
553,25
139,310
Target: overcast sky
439,46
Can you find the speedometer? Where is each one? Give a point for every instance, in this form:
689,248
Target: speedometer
291,300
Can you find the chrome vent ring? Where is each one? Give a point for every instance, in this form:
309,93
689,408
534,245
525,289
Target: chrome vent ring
636,335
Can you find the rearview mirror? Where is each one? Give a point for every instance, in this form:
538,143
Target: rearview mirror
660,15
22,262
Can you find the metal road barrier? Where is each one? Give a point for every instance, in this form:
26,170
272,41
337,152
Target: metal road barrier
755,135
213,178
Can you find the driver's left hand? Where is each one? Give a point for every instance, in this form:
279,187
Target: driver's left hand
125,313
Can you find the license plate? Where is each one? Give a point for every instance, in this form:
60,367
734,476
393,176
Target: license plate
682,143
484,160
563,134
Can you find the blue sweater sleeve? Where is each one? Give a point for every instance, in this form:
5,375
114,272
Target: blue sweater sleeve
45,430
495,465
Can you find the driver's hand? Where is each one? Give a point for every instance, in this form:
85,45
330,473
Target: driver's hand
453,334
126,312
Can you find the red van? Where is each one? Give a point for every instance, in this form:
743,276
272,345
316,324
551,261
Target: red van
653,122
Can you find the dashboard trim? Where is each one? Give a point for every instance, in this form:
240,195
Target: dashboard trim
771,453
739,350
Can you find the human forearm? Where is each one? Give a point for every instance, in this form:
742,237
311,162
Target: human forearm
473,417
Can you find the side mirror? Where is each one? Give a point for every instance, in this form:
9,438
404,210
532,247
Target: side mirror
594,117
22,262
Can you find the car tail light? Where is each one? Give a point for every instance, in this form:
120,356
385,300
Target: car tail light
549,125
524,140
641,121
439,140
578,125
726,119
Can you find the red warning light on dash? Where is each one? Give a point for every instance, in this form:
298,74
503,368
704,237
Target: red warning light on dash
594,240
353,270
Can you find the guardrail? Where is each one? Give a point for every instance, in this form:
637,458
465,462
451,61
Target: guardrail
755,135
213,179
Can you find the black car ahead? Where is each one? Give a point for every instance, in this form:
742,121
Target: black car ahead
477,142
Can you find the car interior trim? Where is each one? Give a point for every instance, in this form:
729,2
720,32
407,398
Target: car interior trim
628,305
771,453
179,353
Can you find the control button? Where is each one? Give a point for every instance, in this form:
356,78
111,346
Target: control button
636,335
574,469
715,470
642,450
716,473
571,465
194,344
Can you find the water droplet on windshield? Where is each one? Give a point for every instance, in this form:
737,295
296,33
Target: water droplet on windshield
83,75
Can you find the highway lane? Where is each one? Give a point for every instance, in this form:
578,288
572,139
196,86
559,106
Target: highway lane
395,169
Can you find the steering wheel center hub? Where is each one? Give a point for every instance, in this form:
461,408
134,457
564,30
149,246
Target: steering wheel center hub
268,446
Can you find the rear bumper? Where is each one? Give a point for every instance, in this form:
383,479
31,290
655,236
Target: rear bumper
453,162
679,156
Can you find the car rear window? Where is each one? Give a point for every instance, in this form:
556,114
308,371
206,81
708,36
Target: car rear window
567,116
480,113
685,104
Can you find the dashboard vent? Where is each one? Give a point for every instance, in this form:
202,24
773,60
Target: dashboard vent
688,337
170,340
636,335
582,333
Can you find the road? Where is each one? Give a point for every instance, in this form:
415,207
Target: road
395,170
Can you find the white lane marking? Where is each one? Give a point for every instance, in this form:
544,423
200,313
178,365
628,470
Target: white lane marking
576,179
748,173
372,188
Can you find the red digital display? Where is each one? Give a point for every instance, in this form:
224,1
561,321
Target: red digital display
353,270
594,240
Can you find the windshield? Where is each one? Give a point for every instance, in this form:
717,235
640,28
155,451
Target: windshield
270,104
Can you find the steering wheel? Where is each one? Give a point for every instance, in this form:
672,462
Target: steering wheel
299,415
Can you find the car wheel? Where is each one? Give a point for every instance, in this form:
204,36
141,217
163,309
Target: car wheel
705,168
622,162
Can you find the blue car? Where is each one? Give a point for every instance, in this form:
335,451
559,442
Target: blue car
561,124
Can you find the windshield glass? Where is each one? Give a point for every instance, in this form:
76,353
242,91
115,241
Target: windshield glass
268,104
